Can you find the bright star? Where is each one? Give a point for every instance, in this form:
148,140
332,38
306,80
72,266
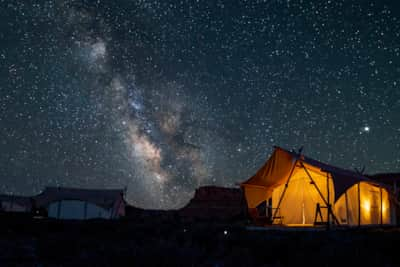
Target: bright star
365,129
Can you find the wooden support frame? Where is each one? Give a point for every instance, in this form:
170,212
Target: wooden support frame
318,214
284,190
320,193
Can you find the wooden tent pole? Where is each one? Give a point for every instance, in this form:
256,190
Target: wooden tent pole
347,207
380,188
329,204
359,204
284,190
319,192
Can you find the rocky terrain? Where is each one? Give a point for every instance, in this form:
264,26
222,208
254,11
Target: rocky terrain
215,203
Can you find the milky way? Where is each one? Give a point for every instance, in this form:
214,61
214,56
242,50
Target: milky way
161,97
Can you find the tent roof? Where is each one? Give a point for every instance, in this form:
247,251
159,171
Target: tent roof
278,167
20,200
386,178
105,198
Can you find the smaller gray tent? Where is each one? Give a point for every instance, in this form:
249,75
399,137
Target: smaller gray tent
81,204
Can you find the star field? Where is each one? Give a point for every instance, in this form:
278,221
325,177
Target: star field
160,97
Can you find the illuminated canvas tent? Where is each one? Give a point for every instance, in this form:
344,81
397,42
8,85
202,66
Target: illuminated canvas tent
292,189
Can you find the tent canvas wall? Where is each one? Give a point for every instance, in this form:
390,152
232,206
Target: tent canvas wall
295,190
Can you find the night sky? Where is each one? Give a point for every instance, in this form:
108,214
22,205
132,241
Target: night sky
160,97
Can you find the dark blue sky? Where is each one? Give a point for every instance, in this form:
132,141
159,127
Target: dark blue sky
161,97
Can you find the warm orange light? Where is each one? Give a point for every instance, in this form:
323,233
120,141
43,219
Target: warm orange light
366,205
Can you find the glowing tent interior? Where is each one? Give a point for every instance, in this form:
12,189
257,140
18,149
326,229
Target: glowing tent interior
292,189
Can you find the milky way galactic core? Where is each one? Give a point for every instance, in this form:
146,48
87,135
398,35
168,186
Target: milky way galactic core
161,97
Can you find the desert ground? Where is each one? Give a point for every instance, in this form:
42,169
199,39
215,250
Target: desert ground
169,241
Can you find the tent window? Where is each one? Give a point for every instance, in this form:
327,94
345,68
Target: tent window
365,204
76,210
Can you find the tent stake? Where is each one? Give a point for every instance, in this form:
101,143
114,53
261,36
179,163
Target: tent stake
319,192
